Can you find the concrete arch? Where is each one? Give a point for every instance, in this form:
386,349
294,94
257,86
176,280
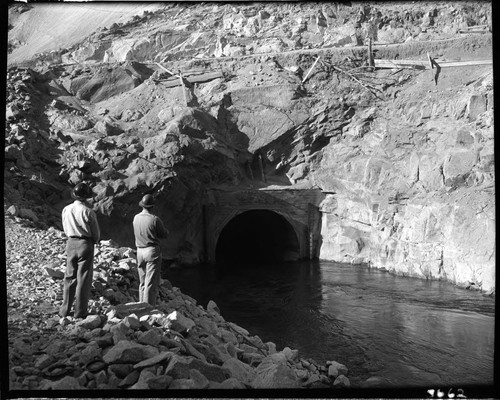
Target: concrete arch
256,234
299,208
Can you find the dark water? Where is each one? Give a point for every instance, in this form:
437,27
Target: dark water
407,331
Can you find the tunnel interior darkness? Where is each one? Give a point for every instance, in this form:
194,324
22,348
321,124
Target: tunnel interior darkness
257,236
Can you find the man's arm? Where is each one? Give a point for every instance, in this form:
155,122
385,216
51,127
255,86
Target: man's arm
64,220
94,227
161,230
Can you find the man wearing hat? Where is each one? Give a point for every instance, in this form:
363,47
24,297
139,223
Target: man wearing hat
148,230
82,229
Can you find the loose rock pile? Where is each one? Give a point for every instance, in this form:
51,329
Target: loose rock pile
124,344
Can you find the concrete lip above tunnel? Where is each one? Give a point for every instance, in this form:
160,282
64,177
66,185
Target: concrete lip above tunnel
257,236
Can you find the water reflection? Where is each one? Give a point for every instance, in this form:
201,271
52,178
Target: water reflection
409,331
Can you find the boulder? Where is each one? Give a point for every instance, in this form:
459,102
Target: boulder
212,307
178,367
90,356
29,214
90,322
207,325
239,370
143,380
191,350
172,344
66,383
12,112
126,351
164,355
44,361
274,375
341,381
213,372
132,322
477,105
313,379
137,308
107,128
129,115
13,210
199,380
227,336
252,358
130,379
196,381
375,381
70,122
179,322
120,332
159,382
121,370
217,353
335,369
150,337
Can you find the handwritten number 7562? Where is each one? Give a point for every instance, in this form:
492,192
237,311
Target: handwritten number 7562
450,395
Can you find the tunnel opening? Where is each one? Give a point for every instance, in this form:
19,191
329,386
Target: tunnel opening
257,236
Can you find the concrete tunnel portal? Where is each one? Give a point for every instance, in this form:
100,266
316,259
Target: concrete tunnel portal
257,236
261,226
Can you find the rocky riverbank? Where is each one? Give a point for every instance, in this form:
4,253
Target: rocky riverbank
124,344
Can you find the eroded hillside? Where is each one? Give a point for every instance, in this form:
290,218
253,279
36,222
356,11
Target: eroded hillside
184,98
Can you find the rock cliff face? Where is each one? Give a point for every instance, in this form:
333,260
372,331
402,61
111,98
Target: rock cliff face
181,98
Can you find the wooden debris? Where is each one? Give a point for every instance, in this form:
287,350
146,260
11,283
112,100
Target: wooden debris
310,70
476,29
418,64
371,62
181,81
366,85
432,64
199,77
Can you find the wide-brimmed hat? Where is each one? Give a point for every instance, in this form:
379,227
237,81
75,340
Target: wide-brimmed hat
82,191
147,201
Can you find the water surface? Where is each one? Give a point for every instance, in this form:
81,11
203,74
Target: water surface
403,331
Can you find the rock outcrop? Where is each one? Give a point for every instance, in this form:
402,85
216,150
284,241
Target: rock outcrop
415,196
282,94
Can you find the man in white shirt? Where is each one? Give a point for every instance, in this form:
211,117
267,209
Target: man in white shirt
82,229
148,230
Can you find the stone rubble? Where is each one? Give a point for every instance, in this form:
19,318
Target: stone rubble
124,344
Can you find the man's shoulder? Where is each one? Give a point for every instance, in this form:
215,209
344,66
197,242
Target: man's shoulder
142,215
70,206
145,214
78,206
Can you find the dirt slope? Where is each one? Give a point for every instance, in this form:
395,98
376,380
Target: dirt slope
51,26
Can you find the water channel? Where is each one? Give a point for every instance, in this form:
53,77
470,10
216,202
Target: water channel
398,331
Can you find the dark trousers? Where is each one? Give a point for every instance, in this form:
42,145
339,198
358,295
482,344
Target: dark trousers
148,267
78,277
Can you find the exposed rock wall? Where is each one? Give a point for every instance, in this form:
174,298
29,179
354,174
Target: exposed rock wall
404,157
416,196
